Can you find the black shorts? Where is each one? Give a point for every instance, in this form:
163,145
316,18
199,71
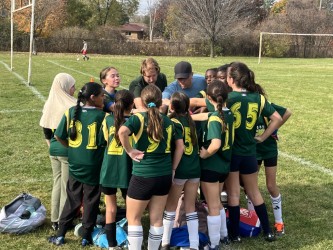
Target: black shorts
108,190
270,162
212,176
244,164
141,188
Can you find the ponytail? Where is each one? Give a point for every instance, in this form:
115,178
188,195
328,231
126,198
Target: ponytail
73,132
123,102
155,124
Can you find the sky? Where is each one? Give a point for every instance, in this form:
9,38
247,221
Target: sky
142,7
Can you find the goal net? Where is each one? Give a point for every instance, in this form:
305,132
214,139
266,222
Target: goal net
295,45
16,6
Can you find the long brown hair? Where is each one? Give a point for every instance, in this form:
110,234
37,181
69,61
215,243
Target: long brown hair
180,104
152,100
218,92
123,102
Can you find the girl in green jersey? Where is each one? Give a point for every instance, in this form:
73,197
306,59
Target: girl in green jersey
187,174
247,104
117,166
78,131
215,160
152,167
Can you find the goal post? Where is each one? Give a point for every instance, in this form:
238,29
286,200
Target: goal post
286,34
30,3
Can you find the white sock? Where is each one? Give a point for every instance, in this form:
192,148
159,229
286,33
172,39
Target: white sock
224,229
155,237
277,208
135,237
250,206
192,222
168,220
214,226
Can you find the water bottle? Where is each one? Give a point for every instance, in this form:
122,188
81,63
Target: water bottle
27,212
33,205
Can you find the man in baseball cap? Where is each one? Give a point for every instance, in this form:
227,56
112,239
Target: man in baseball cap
186,82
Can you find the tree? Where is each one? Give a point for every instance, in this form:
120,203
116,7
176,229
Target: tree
210,18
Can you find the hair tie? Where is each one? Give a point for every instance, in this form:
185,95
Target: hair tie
151,105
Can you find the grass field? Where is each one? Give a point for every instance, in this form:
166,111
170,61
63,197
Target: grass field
305,174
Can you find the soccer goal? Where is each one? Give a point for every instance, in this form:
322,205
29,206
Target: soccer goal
288,41
16,6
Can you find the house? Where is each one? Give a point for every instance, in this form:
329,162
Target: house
133,31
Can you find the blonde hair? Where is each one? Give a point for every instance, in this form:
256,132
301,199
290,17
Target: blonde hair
149,64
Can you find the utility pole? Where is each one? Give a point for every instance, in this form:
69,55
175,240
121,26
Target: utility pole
320,1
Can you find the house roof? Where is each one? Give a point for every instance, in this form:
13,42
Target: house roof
133,27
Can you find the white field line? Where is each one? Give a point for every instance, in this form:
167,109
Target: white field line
31,180
77,71
33,89
307,163
8,111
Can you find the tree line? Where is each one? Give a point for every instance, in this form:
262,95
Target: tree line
224,26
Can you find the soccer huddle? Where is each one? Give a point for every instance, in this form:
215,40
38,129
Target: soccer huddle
156,142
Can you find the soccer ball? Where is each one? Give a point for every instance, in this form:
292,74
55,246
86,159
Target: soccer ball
77,59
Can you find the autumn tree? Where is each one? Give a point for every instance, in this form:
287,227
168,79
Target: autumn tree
211,19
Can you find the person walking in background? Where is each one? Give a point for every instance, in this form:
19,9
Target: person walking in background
84,50
187,174
117,165
247,104
150,74
152,167
78,130
59,100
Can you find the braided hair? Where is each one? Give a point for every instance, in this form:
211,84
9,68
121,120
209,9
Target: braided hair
90,88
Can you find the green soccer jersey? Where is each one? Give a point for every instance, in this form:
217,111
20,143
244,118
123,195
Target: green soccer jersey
117,165
189,166
268,148
246,107
220,161
84,155
108,100
157,155
203,94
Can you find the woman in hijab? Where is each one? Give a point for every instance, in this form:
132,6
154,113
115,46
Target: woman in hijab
60,99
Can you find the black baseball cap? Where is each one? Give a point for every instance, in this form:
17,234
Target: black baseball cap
183,70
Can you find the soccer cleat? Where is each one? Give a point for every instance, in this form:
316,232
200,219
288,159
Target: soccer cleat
279,229
55,226
166,247
115,248
225,241
58,241
214,248
270,237
235,239
85,242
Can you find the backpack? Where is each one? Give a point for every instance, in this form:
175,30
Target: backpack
22,215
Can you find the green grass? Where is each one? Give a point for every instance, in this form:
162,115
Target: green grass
306,140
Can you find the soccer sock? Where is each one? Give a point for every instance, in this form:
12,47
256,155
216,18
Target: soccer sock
214,225
192,222
135,237
223,230
261,211
168,220
277,208
234,218
155,237
250,206
110,230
